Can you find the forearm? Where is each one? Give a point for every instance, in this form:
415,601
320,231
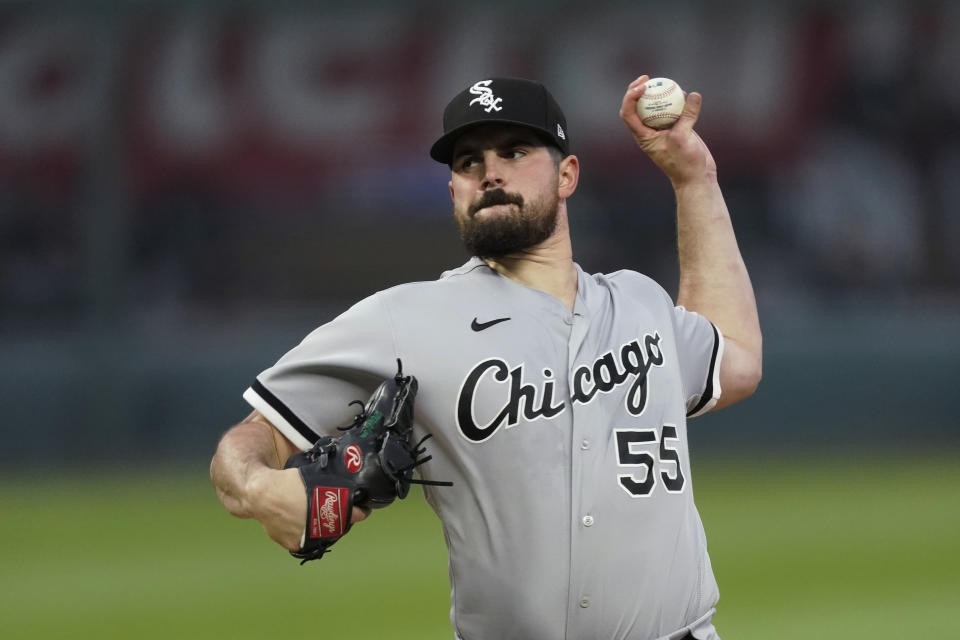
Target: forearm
713,277
245,451
247,472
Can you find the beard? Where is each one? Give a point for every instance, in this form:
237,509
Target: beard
502,234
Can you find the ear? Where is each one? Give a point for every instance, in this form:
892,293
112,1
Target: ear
569,174
450,186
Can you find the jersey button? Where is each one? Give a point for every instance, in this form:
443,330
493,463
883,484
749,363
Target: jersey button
585,445
584,602
588,521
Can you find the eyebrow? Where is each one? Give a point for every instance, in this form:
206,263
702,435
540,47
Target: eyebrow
515,140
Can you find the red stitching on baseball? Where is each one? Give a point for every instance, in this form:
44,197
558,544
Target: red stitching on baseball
668,116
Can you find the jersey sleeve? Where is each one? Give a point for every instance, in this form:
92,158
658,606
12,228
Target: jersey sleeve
308,391
700,349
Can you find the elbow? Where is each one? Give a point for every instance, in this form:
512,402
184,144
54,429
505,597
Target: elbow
232,494
754,381
744,379
219,486
740,373
750,365
752,375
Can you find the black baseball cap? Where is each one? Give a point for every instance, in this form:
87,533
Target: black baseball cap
506,100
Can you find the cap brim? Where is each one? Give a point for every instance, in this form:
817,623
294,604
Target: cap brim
442,149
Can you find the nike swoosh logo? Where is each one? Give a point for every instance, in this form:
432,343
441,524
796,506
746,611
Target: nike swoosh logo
480,326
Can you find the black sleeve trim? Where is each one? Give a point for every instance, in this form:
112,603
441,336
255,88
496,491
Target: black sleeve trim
285,412
708,391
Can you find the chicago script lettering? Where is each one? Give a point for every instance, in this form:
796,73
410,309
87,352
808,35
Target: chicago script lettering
523,399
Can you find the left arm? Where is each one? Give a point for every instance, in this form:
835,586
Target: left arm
713,277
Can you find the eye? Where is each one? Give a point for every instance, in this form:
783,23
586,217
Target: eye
466,163
515,153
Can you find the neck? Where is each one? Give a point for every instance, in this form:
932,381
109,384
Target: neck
547,267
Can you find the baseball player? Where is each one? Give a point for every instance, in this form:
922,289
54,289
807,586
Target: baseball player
557,400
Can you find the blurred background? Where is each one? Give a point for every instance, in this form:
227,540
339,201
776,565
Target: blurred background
187,189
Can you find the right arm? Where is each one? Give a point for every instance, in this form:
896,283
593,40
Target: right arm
248,475
713,277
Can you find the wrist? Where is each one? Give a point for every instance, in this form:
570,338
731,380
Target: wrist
271,493
693,182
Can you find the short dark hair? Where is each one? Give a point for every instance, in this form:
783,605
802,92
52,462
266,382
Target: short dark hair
555,154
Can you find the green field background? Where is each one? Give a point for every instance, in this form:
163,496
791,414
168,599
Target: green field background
802,549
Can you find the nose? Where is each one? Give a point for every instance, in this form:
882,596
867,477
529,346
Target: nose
493,174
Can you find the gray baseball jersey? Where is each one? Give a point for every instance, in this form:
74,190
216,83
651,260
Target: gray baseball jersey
571,513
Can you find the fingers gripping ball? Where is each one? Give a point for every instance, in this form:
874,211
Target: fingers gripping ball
369,466
661,104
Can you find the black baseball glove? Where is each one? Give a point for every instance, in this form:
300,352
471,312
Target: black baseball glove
369,466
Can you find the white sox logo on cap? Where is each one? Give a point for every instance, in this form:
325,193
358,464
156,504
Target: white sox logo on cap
485,96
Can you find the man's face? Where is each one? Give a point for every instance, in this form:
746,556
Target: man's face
504,185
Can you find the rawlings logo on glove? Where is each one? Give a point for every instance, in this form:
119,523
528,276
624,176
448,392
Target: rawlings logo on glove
369,466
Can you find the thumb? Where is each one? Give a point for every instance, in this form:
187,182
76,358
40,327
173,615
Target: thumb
359,514
691,111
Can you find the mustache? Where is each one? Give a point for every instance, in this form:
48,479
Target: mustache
494,197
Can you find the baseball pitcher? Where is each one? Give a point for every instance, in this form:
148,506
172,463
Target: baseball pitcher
551,405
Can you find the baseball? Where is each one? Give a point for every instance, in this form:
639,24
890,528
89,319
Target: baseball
661,104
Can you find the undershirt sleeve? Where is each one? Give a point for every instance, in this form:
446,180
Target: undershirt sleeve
700,349
307,393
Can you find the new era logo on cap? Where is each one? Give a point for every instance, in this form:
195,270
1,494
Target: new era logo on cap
504,100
